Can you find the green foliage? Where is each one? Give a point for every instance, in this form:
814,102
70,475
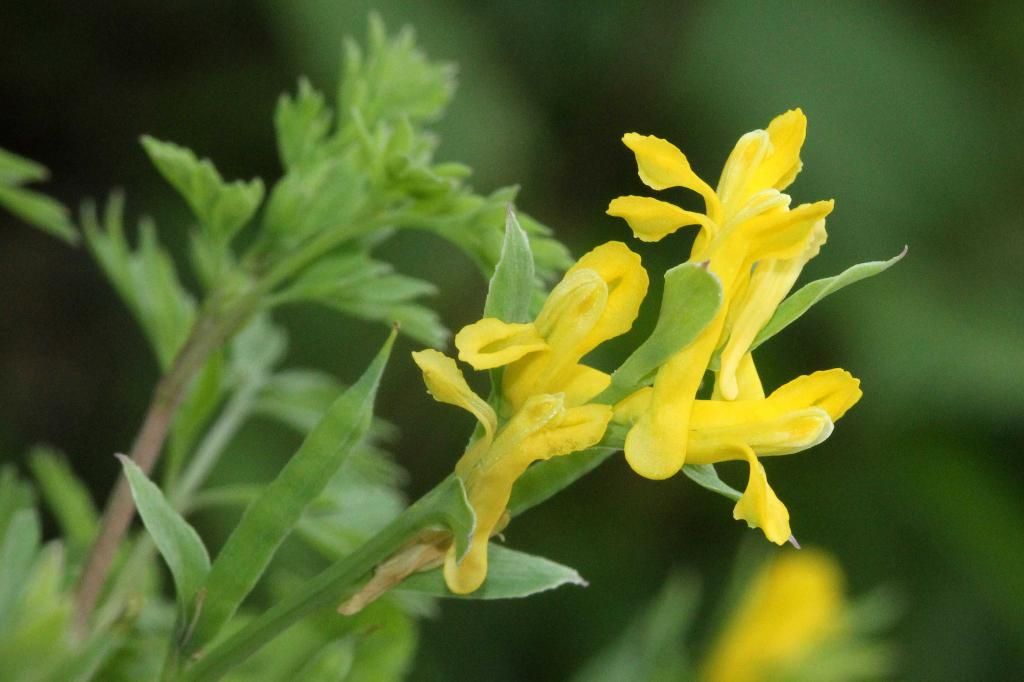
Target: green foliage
512,285
66,496
801,301
545,479
221,208
510,575
705,476
692,296
34,208
273,515
145,278
20,543
179,544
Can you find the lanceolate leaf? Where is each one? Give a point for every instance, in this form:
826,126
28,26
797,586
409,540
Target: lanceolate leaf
273,515
18,549
692,296
510,575
509,294
800,302
67,497
178,542
705,476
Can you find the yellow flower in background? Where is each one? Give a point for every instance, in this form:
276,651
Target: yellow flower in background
756,245
795,417
544,392
794,605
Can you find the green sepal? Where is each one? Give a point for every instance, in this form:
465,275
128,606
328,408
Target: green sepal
693,295
177,541
510,575
222,208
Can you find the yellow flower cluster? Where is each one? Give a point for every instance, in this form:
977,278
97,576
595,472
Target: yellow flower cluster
755,244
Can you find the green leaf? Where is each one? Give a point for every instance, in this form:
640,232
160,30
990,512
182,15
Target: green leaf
705,476
15,495
302,125
800,302
67,497
39,210
178,542
222,208
445,505
510,575
692,297
511,286
146,278
17,555
272,516
545,479
17,170
653,648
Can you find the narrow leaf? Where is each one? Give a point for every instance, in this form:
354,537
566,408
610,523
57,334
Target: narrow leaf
445,505
17,170
67,497
800,302
510,575
17,553
705,476
272,516
178,542
39,210
692,297
511,287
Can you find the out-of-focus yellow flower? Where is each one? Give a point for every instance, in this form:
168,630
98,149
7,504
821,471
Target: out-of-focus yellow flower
793,418
794,605
756,245
544,392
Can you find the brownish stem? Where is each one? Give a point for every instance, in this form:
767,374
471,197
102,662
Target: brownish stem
206,336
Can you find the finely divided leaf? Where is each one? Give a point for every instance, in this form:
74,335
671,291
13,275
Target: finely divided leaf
799,303
511,286
272,516
692,296
302,124
510,575
222,208
34,208
178,542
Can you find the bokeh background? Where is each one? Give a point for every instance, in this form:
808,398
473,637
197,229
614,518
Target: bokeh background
915,130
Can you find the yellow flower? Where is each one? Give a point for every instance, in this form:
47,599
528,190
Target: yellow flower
544,391
756,245
794,605
793,418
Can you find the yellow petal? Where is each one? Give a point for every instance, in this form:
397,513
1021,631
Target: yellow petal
542,429
581,384
492,343
651,220
713,439
656,444
833,390
787,132
740,382
769,284
445,382
626,281
661,165
760,507
736,184
783,234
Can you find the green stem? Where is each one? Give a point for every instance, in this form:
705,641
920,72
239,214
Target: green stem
446,504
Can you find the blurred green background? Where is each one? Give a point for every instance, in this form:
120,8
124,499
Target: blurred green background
915,130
